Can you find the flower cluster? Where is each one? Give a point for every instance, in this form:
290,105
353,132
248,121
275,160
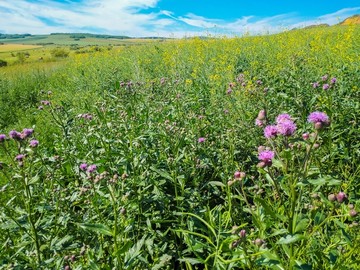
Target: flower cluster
88,168
325,83
284,126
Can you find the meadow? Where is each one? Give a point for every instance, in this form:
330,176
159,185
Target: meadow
217,153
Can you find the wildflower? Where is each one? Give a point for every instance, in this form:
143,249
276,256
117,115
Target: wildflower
201,140
306,136
34,143
315,85
341,196
15,135
19,157
239,175
324,78
353,213
270,132
286,127
259,82
229,91
326,86
2,137
333,80
91,168
283,117
40,108
27,132
258,242
226,111
316,117
242,233
83,166
266,157
45,102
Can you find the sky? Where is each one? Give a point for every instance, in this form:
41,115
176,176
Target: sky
169,18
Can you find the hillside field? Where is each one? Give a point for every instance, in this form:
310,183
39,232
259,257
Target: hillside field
216,153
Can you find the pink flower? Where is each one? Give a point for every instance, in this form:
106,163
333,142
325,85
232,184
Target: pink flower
83,166
283,117
270,132
266,156
286,127
201,140
91,168
315,117
34,143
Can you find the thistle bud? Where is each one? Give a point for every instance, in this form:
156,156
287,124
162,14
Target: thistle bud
332,197
262,115
341,196
353,213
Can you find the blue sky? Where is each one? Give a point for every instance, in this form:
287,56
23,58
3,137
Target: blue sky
169,18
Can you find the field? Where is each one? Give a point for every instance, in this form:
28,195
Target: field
217,153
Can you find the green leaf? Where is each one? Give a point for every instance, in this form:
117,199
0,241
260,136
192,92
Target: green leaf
99,228
269,209
216,183
191,260
317,182
162,173
301,225
290,239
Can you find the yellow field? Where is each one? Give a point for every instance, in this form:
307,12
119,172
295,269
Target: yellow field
17,47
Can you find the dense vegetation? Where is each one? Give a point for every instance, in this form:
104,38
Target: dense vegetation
193,154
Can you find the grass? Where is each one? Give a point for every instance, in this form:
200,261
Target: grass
16,47
154,156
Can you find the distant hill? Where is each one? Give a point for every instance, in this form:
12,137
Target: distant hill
316,26
351,20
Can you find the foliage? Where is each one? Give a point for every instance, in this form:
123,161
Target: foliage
191,154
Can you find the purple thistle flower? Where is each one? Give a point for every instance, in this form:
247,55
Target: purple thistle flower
45,102
15,135
324,78
83,166
91,168
201,140
27,132
40,108
326,86
266,155
315,85
270,132
333,80
34,143
229,91
321,117
19,157
2,137
283,117
259,82
286,127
